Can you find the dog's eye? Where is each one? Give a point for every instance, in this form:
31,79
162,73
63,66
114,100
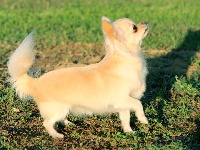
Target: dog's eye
135,28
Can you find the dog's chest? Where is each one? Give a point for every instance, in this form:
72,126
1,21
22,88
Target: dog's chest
138,81
138,70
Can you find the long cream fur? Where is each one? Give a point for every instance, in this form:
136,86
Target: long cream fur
115,84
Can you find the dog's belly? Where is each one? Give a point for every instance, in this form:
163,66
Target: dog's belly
90,111
104,109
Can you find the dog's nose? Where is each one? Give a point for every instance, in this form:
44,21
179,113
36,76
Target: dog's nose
143,22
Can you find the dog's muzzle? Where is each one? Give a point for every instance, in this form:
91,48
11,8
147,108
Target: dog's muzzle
145,25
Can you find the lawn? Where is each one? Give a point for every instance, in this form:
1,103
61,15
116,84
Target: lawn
68,33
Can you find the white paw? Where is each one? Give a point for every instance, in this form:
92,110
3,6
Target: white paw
129,130
66,122
143,119
57,135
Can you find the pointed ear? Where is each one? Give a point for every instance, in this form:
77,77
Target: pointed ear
108,28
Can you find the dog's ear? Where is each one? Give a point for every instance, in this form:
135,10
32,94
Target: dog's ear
108,28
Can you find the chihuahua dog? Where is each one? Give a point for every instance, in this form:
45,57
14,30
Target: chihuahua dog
115,84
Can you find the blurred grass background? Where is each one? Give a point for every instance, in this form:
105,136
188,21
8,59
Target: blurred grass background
78,20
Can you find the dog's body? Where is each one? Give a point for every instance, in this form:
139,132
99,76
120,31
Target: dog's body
115,84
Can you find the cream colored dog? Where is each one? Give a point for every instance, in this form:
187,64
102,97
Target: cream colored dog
115,84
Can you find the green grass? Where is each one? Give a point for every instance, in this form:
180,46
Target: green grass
71,30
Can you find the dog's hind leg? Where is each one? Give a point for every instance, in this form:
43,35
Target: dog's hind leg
49,125
125,120
52,113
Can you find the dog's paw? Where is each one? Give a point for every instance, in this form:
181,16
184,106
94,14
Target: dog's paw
57,135
66,122
128,130
143,120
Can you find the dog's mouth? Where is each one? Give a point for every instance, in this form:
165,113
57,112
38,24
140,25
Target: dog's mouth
145,26
146,30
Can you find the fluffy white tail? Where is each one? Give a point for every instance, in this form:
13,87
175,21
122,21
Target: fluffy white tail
18,65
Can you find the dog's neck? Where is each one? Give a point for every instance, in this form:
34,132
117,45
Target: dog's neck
118,50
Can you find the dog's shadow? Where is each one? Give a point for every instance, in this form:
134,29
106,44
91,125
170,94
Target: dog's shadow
163,70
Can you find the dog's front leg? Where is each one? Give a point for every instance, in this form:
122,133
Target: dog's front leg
138,108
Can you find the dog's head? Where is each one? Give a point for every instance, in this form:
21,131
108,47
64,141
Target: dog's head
125,31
